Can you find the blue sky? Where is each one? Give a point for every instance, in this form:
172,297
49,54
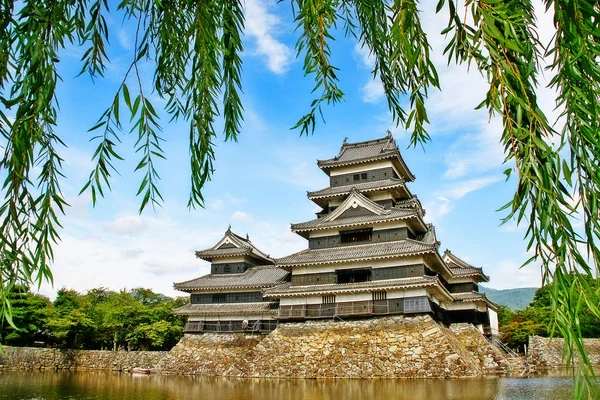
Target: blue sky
260,182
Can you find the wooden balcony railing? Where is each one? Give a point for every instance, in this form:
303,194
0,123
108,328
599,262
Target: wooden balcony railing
254,326
353,308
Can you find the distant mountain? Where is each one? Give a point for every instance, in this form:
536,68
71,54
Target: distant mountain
516,299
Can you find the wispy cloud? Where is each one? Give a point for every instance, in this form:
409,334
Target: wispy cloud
447,197
263,25
476,152
241,216
372,91
459,189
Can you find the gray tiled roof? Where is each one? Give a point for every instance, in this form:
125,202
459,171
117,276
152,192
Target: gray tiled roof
227,309
257,277
370,150
395,213
364,251
473,297
461,268
289,290
363,187
235,246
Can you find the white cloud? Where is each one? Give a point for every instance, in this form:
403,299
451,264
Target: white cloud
241,216
477,151
460,189
125,40
373,91
263,25
445,205
302,174
445,199
365,55
507,274
216,204
126,225
129,254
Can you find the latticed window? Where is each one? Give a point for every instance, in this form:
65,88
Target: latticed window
379,296
416,305
227,269
328,299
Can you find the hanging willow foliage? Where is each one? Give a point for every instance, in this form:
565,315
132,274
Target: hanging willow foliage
195,49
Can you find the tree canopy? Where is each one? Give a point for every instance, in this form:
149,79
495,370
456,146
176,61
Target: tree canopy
516,326
138,319
195,49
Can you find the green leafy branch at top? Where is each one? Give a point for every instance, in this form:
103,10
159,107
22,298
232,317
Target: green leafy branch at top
194,50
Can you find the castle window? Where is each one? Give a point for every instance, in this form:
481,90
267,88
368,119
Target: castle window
359,235
353,275
356,177
218,298
227,269
379,296
363,175
328,299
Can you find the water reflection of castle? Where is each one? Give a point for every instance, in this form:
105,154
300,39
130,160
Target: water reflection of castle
370,253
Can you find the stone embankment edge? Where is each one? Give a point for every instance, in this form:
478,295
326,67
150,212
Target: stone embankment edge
33,358
389,347
546,353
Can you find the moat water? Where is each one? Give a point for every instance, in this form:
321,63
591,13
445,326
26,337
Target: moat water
114,386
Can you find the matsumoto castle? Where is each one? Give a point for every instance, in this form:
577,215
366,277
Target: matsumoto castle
370,253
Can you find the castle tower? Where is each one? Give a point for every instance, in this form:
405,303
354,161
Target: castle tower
370,252
230,298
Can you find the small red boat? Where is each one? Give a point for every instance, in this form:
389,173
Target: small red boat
141,371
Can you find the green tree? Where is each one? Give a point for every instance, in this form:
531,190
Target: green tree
28,315
195,50
67,321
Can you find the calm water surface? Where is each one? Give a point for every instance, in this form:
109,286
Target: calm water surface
107,386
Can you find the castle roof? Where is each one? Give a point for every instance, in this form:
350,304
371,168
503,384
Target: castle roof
263,307
358,210
232,245
392,184
371,150
461,268
253,278
371,251
474,297
288,290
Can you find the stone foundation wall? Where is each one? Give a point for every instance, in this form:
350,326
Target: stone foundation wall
25,358
546,353
491,359
388,347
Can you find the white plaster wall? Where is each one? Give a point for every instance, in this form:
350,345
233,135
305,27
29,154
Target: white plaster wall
344,297
399,294
225,260
290,301
380,196
493,321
